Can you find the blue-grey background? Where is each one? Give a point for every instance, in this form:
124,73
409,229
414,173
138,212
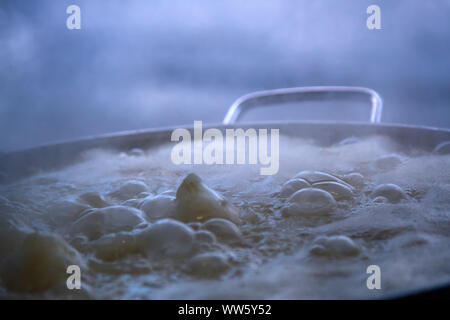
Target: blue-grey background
140,64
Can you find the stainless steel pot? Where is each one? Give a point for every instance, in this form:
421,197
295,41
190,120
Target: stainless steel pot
19,164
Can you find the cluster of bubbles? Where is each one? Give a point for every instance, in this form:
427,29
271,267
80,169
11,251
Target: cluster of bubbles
319,194
193,228
195,225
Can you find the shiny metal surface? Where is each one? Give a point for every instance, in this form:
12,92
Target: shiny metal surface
286,95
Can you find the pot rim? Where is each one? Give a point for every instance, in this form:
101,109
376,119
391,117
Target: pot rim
218,125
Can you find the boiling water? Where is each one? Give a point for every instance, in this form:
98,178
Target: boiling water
51,220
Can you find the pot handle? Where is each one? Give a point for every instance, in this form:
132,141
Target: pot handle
264,98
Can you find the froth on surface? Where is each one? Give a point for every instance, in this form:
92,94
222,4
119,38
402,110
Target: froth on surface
272,260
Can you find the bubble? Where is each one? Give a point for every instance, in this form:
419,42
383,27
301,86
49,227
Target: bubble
205,236
293,185
319,176
311,201
223,229
39,264
102,221
355,179
166,238
380,199
388,162
337,190
208,265
158,207
169,193
94,199
143,195
130,190
197,202
195,225
115,246
335,246
135,203
66,211
390,191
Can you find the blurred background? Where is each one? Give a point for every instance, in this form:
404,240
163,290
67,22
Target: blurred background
144,64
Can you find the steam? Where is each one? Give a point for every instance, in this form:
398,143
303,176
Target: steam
145,64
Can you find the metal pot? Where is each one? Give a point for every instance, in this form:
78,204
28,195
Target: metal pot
19,164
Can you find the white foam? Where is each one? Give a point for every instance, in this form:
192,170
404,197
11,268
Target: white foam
272,258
